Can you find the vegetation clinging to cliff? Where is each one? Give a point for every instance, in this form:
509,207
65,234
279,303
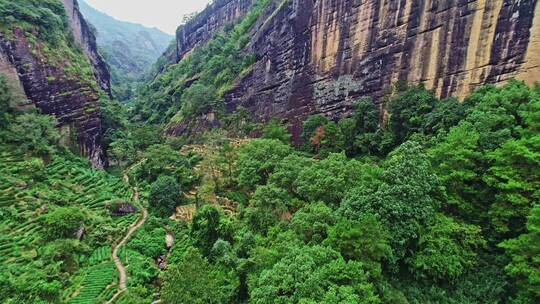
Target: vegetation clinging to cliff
196,84
45,27
47,17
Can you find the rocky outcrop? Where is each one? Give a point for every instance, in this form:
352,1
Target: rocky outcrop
202,27
83,34
13,81
58,85
318,56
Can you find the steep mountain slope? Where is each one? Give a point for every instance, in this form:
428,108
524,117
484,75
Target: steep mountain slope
45,49
84,35
319,56
130,48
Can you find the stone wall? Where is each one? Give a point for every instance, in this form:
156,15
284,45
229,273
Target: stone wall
201,27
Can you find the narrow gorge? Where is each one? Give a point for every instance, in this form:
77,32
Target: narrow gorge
270,152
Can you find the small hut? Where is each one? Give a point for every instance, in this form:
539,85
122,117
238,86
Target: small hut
119,208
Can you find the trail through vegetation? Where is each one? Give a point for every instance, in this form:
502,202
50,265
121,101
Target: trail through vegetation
122,275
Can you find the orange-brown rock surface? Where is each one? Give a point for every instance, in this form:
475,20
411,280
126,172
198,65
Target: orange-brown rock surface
317,56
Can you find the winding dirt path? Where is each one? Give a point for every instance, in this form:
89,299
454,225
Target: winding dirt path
122,275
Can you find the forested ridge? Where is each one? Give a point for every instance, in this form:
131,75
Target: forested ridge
410,199
130,49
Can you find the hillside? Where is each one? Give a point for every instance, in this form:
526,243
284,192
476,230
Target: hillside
130,49
55,225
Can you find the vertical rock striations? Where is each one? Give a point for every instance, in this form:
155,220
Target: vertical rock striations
202,26
318,56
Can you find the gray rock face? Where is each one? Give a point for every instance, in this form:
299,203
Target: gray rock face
319,56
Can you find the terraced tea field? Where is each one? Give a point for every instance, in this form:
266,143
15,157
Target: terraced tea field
30,189
96,281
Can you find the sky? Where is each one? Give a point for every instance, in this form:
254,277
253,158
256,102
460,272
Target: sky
166,15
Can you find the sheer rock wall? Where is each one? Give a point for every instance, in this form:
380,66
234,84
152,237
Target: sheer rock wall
36,81
318,56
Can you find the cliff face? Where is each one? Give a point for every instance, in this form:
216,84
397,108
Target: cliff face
318,56
87,39
60,81
201,27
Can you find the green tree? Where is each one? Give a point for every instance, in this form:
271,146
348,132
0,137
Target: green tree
258,159
239,123
199,99
162,160
379,143
287,171
276,130
128,141
409,110
368,138
165,195
63,222
329,179
524,266
332,140
310,274
497,112
366,115
268,205
404,200
312,222
113,119
64,251
364,240
446,250
34,134
226,158
195,281
5,104
149,239
347,127
515,176
446,113
310,126
459,165
205,230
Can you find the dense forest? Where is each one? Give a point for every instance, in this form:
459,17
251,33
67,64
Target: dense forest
410,199
439,205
